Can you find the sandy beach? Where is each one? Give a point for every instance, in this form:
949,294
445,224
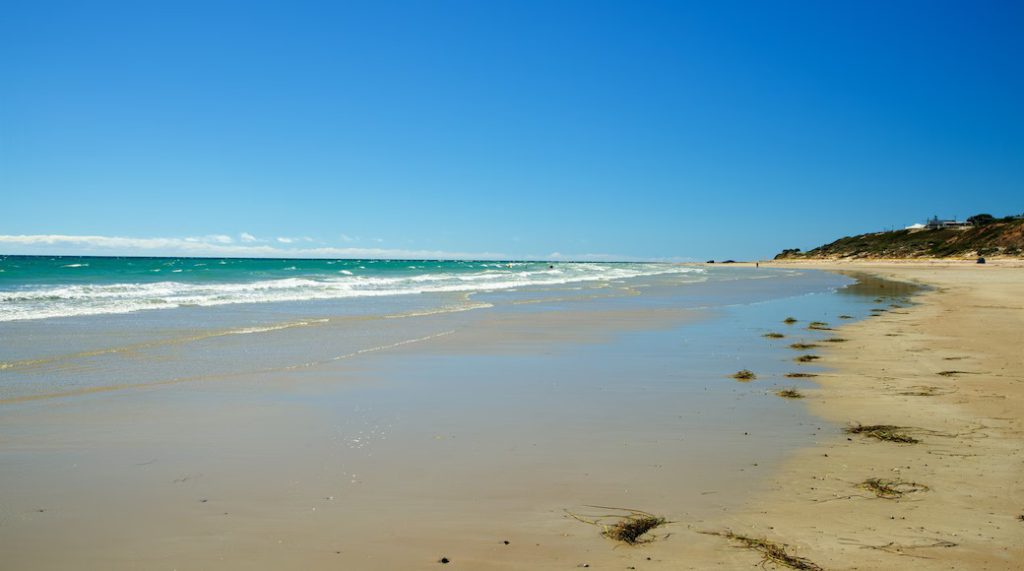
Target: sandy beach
948,371
475,440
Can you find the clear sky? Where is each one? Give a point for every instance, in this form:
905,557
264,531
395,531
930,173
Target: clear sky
632,129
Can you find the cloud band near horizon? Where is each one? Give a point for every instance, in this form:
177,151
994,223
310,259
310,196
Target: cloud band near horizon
244,246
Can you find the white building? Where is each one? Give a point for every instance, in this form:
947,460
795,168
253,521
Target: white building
935,224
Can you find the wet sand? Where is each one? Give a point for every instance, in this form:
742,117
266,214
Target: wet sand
950,370
390,443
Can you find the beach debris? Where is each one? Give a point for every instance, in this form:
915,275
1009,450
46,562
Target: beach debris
885,432
444,561
845,317
789,320
954,373
834,340
807,358
790,394
773,335
922,392
628,525
800,346
903,549
744,375
819,325
891,489
771,552
800,375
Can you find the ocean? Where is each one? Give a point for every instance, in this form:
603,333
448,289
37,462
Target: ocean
39,287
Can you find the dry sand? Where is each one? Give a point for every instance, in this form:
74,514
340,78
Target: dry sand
897,368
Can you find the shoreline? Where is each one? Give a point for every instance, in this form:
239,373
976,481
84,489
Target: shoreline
946,370
765,467
542,403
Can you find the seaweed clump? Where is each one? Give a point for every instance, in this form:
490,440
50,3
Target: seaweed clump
633,527
800,346
807,358
884,432
771,552
800,375
790,394
835,340
891,489
630,527
819,325
744,375
789,320
773,335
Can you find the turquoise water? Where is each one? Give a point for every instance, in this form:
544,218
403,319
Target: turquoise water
70,327
39,287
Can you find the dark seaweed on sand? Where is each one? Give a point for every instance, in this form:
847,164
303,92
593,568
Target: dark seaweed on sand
885,432
630,527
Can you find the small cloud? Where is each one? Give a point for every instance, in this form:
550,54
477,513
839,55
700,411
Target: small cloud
347,238
247,237
221,239
294,239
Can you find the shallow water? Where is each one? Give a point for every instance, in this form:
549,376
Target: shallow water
383,435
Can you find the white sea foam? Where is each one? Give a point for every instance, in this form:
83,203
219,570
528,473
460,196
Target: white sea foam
39,302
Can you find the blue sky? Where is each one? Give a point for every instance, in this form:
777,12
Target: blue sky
629,129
